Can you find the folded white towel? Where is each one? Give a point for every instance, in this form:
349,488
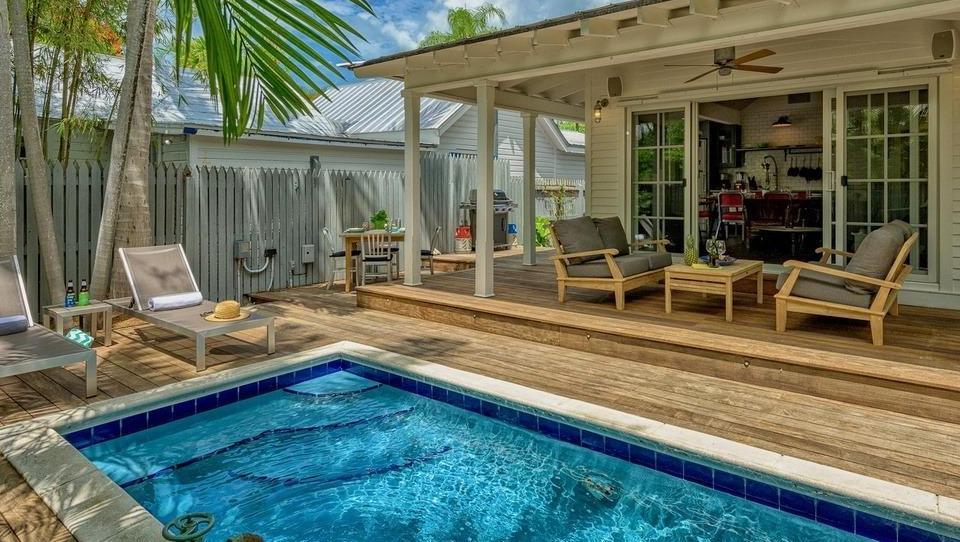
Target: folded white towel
174,301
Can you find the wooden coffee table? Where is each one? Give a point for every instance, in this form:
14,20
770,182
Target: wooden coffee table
717,281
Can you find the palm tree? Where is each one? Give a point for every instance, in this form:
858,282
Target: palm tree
37,170
261,55
8,190
466,23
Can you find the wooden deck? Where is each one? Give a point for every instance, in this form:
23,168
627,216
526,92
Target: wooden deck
917,372
906,449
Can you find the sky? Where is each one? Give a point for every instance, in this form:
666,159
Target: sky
401,24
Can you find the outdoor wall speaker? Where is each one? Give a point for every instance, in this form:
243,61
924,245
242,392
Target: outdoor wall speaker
944,45
614,87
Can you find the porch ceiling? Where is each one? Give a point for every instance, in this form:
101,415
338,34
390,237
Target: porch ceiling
543,67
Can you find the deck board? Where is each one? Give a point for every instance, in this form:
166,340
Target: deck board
896,447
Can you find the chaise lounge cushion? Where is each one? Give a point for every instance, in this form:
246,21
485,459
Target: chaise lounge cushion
612,234
875,256
825,288
631,264
578,235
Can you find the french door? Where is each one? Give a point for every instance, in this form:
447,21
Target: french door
886,162
659,163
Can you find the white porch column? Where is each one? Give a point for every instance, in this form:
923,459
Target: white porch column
411,188
529,189
486,146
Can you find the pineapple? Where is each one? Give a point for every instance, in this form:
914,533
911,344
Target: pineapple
690,255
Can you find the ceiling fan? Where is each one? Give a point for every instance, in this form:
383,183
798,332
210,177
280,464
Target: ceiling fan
725,61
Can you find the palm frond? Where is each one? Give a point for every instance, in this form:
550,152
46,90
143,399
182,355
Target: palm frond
265,54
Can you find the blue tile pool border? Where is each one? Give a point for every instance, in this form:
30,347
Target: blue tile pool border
823,511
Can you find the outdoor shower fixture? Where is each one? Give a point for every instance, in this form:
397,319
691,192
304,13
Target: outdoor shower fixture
776,172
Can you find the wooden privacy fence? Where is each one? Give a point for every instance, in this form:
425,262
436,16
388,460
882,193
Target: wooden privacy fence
207,209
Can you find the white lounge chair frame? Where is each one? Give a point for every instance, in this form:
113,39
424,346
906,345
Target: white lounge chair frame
87,356
203,329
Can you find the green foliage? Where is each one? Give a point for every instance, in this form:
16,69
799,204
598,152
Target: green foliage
379,219
264,54
466,23
543,231
571,126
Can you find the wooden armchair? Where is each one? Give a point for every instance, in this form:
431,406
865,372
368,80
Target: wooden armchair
823,289
611,268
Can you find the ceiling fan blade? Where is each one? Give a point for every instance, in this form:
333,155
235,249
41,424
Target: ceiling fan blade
756,55
689,65
760,69
701,75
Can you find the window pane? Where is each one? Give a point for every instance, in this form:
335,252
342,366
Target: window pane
856,115
924,203
645,199
645,130
876,158
673,128
672,165
646,165
923,111
899,113
876,203
855,235
673,200
898,200
857,158
924,159
876,114
673,230
857,202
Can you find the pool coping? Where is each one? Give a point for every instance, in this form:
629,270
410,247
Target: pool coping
87,501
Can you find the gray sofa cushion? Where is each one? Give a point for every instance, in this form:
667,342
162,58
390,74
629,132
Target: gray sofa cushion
825,288
906,228
875,256
578,235
631,264
612,234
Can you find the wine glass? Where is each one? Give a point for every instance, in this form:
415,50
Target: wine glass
721,249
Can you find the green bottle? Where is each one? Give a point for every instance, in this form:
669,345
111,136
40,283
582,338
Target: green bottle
83,297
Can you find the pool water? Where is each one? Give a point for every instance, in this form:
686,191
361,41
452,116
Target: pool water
342,458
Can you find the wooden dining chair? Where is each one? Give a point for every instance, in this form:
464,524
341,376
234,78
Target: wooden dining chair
334,255
426,254
375,252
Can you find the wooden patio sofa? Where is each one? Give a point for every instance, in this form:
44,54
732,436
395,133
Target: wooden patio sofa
35,348
594,253
865,289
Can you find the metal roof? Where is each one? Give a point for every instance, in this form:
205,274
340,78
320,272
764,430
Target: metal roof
376,106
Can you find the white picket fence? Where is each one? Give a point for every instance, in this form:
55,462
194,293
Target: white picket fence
208,208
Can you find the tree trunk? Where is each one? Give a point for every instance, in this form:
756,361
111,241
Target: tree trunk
126,213
8,189
37,170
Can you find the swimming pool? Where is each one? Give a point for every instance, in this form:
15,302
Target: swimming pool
342,450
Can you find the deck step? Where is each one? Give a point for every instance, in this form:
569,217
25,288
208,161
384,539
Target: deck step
929,392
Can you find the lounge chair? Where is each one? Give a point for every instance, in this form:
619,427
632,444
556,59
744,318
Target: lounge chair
153,272
36,348
594,253
865,289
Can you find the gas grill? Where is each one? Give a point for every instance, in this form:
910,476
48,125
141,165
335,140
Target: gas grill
502,205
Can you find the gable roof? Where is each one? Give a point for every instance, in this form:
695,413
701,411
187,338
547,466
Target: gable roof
375,106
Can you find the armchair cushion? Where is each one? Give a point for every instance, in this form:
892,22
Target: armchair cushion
612,233
825,288
578,235
875,256
630,264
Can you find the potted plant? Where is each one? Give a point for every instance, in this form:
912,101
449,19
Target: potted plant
379,220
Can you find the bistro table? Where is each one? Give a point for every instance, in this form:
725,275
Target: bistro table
351,242
795,232
93,311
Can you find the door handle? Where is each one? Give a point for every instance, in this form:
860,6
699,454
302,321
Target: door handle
844,180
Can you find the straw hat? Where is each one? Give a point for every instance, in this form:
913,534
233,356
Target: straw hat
226,311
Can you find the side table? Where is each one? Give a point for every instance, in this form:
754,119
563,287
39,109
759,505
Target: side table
94,311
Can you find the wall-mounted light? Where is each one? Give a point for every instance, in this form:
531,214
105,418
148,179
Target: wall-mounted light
782,122
598,110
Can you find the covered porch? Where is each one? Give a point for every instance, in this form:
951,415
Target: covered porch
631,69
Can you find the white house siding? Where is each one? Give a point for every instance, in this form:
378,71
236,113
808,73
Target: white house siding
210,151
551,162
953,177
